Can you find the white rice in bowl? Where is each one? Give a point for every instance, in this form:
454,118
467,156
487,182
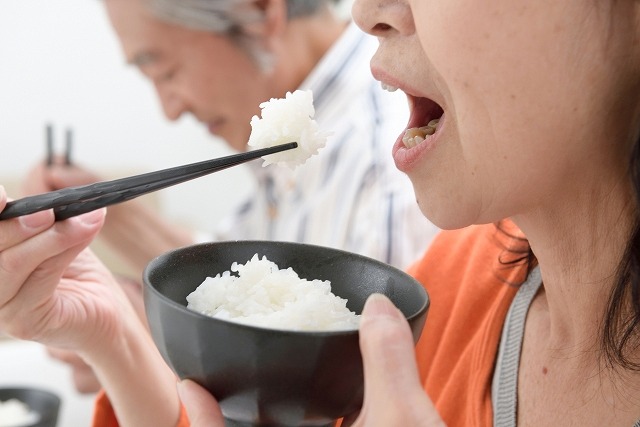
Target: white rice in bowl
285,120
263,295
15,413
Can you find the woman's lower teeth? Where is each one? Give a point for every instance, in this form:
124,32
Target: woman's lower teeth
414,136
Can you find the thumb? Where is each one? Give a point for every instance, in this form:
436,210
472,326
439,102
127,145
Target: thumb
201,407
393,394
387,347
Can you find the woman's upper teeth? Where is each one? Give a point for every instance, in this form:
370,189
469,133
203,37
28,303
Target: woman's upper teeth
415,136
388,88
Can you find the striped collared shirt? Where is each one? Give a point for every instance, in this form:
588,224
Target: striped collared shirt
349,196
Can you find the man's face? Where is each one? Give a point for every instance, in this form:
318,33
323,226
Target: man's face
197,72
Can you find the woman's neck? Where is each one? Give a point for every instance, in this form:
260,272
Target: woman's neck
579,244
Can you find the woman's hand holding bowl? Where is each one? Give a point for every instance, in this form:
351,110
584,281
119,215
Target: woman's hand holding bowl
393,394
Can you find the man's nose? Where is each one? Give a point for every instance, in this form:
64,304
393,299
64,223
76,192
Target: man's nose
172,104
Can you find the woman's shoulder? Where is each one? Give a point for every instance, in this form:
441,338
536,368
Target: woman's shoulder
471,264
470,290
455,253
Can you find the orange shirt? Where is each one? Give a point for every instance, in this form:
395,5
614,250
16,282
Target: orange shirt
470,295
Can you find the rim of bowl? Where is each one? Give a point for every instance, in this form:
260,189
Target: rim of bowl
182,307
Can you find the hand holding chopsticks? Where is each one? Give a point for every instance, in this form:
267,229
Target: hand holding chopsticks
72,201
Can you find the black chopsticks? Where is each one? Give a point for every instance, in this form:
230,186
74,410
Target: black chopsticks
50,145
73,201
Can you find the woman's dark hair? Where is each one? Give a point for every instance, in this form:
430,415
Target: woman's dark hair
620,329
620,335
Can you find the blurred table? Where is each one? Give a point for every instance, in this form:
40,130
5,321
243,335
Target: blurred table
26,364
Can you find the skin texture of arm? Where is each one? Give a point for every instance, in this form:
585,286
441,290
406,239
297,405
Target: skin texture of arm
140,386
83,377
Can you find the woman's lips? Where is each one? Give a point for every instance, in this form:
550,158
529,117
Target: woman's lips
423,129
406,158
423,111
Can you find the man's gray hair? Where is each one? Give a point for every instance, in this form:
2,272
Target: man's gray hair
223,16
229,17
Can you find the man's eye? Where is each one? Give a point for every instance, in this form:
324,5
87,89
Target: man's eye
157,77
165,77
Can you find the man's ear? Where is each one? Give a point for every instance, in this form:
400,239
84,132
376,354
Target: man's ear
274,20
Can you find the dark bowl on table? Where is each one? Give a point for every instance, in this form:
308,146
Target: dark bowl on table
268,377
44,403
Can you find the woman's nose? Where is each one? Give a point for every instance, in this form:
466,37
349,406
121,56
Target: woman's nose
383,18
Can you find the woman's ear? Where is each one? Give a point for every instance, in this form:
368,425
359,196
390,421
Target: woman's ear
274,21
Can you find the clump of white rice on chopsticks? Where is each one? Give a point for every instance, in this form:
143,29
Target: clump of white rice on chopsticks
285,120
263,295
15,413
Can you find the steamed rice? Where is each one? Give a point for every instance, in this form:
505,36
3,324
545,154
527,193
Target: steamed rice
284,120
14,413
263,295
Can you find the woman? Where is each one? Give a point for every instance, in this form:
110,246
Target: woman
538,109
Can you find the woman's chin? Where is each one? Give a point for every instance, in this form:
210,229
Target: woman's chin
444,214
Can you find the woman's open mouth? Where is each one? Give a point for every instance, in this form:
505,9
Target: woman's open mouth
424,120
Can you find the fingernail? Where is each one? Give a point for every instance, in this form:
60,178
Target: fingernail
92,217
379,305
37,220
